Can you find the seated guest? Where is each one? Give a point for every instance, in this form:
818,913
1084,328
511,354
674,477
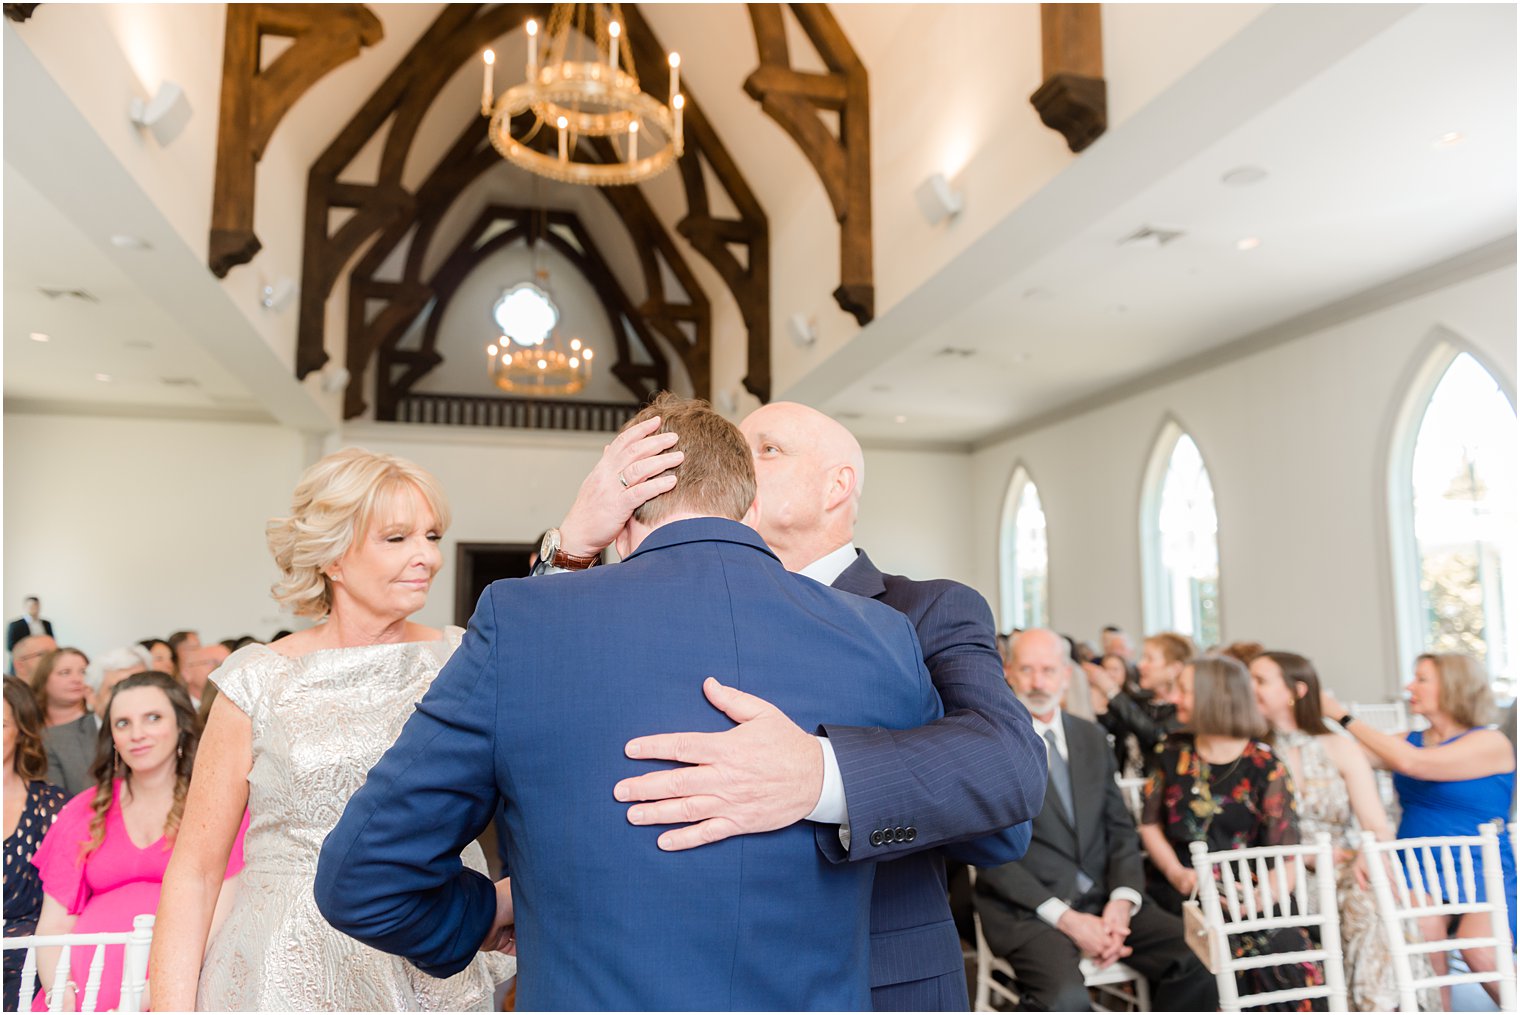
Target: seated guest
1077,700
1075,896
70,728
181,642
95,875
1216,782
117,665
1333,783
161,656
1139,720
28,653
197,665
31,803
30,623
1116,643
1243,651
1451,778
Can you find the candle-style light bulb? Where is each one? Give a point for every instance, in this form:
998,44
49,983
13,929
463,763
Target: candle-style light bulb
678,103
613,31
675,76
487,90
564,138
633,141
532,49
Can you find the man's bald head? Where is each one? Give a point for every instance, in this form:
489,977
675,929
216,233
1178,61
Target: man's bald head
810,472
1039,668
29,652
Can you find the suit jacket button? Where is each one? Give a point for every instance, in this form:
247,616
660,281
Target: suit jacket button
899,834
912,833
876,838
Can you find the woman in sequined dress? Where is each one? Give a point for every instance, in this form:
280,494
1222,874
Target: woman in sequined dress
293,733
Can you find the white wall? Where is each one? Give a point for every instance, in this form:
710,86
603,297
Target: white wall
1296,439
127,528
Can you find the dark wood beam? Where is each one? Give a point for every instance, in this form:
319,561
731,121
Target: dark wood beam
842,163
255,98
1074,97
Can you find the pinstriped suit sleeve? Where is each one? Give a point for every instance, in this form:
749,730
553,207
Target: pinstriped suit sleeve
971,775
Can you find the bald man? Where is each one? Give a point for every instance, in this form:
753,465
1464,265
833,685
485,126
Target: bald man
29,652
907,799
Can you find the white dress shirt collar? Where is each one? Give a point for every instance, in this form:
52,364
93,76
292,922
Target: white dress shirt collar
1056,726
830,566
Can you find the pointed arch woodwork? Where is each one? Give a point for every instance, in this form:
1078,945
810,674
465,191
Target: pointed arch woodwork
255,98
795,99
387,208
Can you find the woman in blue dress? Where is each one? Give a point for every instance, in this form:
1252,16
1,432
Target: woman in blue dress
1451,778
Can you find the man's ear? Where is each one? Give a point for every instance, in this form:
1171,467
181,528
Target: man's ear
841,487
752,513
624,540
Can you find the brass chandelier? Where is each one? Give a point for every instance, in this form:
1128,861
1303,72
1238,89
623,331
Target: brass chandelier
587,87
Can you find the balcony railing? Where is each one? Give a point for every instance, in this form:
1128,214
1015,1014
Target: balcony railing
521,413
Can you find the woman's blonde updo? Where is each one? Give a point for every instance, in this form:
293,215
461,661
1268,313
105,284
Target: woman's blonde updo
332,506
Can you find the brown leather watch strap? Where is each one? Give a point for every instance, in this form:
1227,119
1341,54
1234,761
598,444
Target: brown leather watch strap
572,563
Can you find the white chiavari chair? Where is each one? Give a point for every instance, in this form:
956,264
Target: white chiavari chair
1266,888
1387,716
1117,983
134,972
1435,876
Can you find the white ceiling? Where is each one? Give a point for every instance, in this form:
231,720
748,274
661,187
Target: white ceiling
1357,192
123,335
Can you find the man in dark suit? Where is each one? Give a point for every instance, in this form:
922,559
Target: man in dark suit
32,623
555,676
1078,893
966,782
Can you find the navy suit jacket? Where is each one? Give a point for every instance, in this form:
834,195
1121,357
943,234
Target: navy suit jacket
555,675
969,783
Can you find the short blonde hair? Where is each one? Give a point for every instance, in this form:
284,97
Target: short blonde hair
1465,693
333,505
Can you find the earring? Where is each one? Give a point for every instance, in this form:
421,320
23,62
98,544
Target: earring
179,752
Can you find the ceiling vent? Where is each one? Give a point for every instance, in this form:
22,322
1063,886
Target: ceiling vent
67,294
1151,236
951,352
181,382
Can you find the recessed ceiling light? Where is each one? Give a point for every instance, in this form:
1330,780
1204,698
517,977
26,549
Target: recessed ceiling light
1248,243
38,336
899,419
126,241
1450,138
103,377
1243,176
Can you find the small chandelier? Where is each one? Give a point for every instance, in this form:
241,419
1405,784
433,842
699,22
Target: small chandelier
529,357
587,87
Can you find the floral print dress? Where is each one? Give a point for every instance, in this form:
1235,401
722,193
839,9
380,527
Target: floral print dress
1247,802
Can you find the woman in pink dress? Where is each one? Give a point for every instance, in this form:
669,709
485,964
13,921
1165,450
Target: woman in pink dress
102,863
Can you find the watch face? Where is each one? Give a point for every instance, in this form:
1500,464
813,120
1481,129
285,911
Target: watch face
549,547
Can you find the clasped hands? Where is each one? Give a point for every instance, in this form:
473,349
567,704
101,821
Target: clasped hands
1100,938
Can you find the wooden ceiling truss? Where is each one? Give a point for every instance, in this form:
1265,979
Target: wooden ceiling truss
1074,98
255,98
797,101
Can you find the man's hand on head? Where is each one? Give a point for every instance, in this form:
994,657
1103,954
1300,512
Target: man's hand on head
633,469
763,774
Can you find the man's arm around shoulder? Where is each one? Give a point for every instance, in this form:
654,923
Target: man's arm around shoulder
389,873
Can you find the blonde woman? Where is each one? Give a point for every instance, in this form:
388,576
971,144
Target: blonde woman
292,734
1452,777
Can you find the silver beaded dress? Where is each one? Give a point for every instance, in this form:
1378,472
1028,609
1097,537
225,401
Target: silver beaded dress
320,722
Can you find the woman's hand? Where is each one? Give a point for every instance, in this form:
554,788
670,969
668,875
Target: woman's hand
1331,706
1184,879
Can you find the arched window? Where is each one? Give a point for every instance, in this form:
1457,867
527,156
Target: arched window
1452,497
1026,600
1179,541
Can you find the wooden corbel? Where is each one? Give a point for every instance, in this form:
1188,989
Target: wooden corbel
255,99
794,100
1074,98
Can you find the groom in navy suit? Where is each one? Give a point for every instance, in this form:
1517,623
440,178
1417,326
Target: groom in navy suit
555,676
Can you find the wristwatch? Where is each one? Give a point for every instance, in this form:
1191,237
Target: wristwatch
550,555
1345,720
